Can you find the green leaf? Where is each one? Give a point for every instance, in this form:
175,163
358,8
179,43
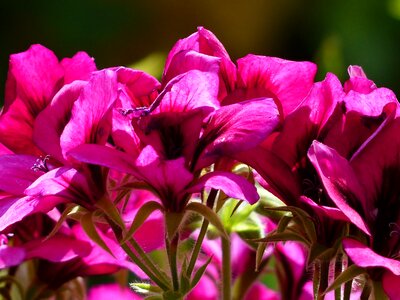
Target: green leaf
199,273
67,211
141,216
12,280
184,285
145,288
304,218
283,223
210,215
236,207
348,274
283,237
172,295
173,220
259,254
90,229
108,207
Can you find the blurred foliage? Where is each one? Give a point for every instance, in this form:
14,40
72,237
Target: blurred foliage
334,34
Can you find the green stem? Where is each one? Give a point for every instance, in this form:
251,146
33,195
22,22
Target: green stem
153,276
320,280
347,290
338,271
144,268
366,292
197,247
146,259
172,251
204,226
226,269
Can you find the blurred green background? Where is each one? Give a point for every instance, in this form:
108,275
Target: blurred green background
333,34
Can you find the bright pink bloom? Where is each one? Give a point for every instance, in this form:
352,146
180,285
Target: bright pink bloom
364,188
286,82
34,77
111,291
177,144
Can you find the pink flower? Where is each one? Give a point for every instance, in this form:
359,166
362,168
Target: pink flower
111,291
175,142
364,189
286,82
34,77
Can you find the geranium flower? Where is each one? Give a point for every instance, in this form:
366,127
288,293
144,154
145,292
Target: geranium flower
34,77
111,291
329,115
177,144
286,82
364,188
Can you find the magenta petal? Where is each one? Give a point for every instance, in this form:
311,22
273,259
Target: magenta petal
91,114
14,209
4,150
391,285
377,162
33,76
332,212
111,291
16,173
205,42
363,256
340,182
139,87
260,291
51,121
188,60
206,289
190,90
79,67
157,172
57,249
233,185
370,104
358,81
239,127
99,261
11,256
105,156
287,81
65,184
280,178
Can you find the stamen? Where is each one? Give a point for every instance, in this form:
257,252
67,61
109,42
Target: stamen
138,111
41,164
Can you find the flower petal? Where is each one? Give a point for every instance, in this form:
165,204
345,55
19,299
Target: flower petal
11,256
91,115
391,285
190,90
51,122
288,82
233,185
363,256
239,127
79,67
111,291
340,182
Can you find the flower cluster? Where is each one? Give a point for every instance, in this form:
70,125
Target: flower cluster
204,184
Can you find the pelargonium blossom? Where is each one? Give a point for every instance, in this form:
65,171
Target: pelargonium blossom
366,184
328,114
255,76
34,77
176,143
